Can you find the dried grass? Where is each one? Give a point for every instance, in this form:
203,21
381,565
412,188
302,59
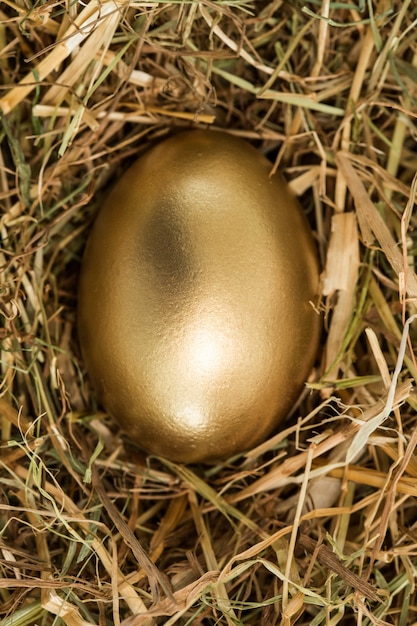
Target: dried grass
318,524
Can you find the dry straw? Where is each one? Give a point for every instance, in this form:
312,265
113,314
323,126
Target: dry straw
317,525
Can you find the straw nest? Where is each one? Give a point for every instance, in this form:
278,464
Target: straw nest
318,524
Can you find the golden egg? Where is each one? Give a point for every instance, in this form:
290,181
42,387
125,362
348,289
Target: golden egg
195,306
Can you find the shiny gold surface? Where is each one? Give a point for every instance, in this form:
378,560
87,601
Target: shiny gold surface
194,314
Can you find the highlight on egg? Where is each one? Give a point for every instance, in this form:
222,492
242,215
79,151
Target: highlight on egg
195,310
